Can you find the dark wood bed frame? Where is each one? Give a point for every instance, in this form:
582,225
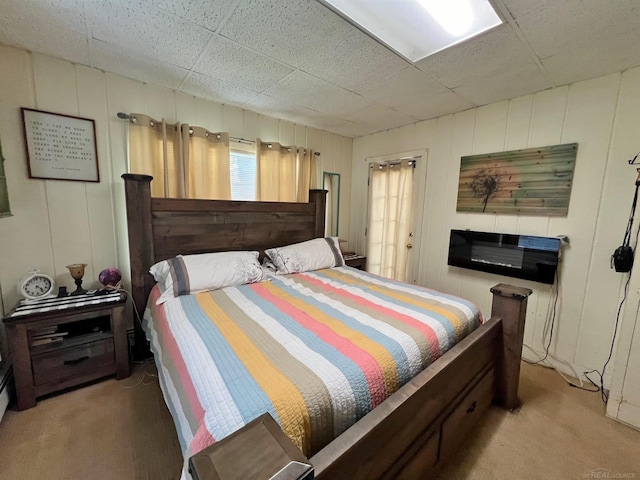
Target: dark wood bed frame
411,433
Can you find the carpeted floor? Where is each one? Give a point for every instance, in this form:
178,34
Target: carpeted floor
122,430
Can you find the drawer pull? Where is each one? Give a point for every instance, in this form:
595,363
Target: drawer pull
76,361
471,408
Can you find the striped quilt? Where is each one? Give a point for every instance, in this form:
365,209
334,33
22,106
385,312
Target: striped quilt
317,350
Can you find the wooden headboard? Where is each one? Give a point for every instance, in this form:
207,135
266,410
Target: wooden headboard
161,228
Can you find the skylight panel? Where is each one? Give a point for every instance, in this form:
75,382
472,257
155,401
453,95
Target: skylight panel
416,29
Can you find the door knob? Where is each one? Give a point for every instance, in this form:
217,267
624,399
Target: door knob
409,246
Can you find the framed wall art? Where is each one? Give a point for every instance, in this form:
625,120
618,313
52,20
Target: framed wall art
533,181
60,147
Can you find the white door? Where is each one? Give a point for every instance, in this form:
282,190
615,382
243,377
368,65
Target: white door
389,234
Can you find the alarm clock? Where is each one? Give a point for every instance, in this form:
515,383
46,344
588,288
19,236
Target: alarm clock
35,285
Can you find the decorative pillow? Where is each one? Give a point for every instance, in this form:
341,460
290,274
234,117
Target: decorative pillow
187,274
306,256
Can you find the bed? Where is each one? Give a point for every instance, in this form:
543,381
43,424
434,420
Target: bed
406,435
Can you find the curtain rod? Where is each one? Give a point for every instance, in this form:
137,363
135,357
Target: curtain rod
242,140
411,161
125,116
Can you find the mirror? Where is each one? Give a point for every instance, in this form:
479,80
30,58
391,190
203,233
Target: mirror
4,194
331,183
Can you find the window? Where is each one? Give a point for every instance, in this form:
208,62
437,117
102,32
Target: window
243,175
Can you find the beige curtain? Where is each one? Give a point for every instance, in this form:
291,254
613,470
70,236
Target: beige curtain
307,175
154,149
185,161
390,200
208,164
285,173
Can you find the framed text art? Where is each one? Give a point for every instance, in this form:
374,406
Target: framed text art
60,147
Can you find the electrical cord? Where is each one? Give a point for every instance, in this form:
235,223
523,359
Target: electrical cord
119,288
553,321
548,356
626,241
603,394
600,387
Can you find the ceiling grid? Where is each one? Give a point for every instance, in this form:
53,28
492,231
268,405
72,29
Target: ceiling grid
300,61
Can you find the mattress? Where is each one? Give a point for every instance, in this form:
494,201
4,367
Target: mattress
317,350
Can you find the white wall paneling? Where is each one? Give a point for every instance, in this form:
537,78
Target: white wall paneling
601,115
56,223
624,397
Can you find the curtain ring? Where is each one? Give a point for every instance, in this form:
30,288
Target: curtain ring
206,134
191,131
269,145
151,123
288,149
133,120
218,136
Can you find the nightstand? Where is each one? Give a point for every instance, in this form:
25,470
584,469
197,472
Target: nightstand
355,261
60,343
260,449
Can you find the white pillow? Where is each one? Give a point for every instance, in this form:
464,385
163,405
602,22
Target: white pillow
306,256
187,274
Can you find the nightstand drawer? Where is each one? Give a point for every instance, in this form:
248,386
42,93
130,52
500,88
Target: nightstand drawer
74,361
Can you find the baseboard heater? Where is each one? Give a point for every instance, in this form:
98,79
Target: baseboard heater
521,256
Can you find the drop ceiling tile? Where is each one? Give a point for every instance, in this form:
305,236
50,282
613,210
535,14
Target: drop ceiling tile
288,31
510,83
575,42
148,31
45,38
570,67
379,117
344,103
316,94
484,57
434,105
353,60
207,14
267,105
230,62
67,14
569,26
117,59
353,130
521,7
403,87
217,90
341,127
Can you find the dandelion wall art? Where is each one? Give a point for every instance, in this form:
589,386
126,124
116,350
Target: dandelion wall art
534,181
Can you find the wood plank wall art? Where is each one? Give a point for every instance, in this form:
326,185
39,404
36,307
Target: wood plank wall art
533,181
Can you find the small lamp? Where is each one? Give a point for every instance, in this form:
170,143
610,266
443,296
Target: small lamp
77,272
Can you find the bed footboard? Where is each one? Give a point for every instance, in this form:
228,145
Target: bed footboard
423,423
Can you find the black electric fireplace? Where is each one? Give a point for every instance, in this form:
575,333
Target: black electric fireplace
521,256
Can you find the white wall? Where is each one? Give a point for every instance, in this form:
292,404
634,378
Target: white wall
56,223
603,117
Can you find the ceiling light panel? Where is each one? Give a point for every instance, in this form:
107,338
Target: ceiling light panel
418,28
